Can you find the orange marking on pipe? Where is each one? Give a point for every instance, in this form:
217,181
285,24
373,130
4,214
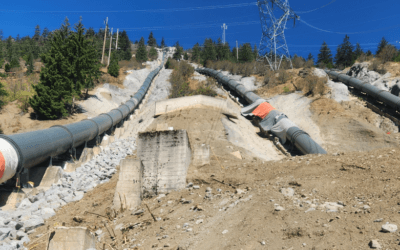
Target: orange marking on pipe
2,165
263,110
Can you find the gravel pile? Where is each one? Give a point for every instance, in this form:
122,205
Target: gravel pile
15,226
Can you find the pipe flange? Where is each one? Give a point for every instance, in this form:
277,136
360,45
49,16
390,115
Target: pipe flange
17,149
69,132
97,125
112,120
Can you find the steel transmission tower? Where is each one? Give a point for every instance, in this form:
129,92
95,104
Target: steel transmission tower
224,27
274,15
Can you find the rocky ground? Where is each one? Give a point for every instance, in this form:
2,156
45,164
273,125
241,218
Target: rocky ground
347,199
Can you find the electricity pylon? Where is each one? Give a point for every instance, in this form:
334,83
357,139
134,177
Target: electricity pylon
224,27
273,45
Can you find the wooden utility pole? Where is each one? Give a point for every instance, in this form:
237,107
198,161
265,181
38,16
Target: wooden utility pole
237,51
104,44
109,52
116,45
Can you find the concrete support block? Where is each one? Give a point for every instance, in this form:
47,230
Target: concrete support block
51,176
201,155
71,167
87,155
198,101
96,151
111,139
9,200
129,185
166,157
105,141
72,238
117,133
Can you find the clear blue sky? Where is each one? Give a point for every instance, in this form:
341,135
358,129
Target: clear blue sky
372,19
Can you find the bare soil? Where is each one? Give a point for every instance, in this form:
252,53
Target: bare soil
242,214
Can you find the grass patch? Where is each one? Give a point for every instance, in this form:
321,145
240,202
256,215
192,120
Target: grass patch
179,79
312,85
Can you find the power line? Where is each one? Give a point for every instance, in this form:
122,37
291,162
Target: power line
212,7
348,33
309,11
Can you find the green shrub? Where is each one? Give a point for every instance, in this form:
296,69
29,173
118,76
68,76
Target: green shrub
312,85
153,54
113,69
286,89
180,81
7,67
3,93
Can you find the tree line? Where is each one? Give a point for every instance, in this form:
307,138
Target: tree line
347,54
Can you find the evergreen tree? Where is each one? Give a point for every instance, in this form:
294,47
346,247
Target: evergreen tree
358,51
255,52
3,93
70,65
36,37
382,44
186,56
54,87
45,33
178,52
310,57
153,54
196,53
235,54
162,43
141,53
124,45
152,41
113,69
83,59
325,55
369,53
219,49
245,53
225,51
344,54
29,64
209,52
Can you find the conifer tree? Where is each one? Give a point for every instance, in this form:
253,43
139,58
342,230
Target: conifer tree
344,54
141,53
325,55
245,53
83,60
358,51
151,41
186,56
36,37
382,44
310,57
196,53
178,52
209,52
55,86
255,52
153,54
29,64
3,93
162,43
113,69
225,51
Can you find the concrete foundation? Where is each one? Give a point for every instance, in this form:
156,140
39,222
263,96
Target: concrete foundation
165,156
201,154
72,238
129,186
197,101
51,176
